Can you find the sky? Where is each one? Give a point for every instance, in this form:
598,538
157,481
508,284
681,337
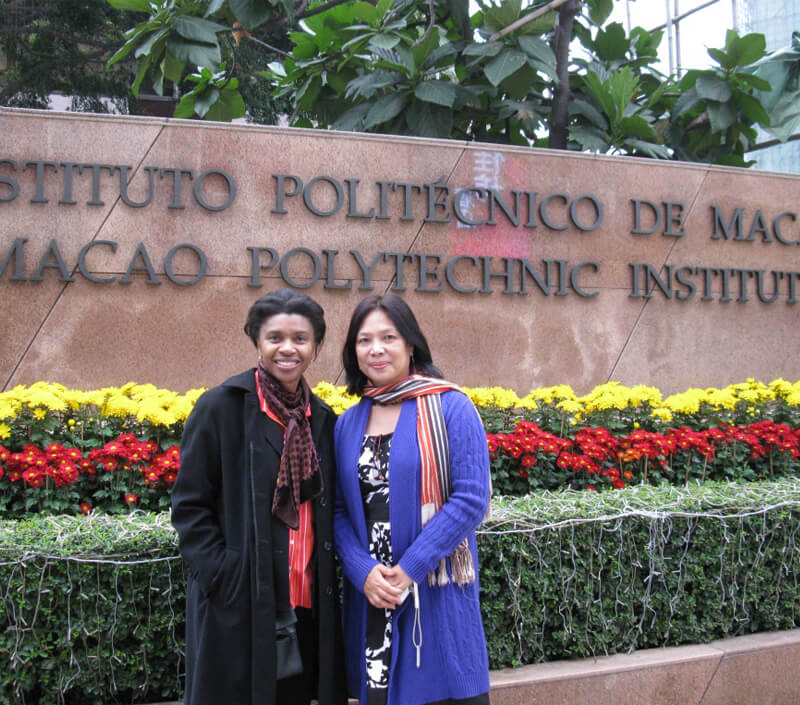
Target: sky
701,30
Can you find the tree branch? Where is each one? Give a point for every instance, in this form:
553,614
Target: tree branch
300,14
266,46
432,11
527,18
773,143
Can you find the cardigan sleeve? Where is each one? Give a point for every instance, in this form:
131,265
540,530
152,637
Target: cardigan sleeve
469,499
196,493
356,559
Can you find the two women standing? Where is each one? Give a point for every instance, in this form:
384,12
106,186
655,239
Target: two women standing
253,506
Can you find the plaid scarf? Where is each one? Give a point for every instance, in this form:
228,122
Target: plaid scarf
434,450
299,478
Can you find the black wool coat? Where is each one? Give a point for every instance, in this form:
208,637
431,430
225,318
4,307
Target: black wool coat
236,554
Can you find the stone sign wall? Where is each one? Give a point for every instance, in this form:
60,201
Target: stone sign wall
131,249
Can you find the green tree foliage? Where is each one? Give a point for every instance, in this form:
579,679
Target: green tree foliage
198,46
717,111
550,74
61,46
781,69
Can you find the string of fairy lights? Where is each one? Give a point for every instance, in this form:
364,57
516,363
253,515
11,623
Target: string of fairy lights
126,573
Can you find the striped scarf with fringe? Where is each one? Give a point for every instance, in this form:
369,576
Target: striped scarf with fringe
434,450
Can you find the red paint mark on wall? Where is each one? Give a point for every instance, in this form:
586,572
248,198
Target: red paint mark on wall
490,170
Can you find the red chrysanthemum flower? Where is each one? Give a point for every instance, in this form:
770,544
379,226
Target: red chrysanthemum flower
30,475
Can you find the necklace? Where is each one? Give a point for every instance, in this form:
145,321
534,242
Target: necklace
378,471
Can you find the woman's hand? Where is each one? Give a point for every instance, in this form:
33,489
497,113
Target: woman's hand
379,590
397,577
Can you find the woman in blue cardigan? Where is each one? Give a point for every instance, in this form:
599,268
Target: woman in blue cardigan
412,486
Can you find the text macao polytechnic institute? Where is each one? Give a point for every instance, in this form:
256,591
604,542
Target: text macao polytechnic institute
54,184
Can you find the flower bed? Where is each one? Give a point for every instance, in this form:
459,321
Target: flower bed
529,458
116,449
92,608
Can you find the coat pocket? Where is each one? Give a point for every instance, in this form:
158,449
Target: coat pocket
229,580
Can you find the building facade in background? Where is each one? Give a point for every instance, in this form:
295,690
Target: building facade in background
776,20
691,26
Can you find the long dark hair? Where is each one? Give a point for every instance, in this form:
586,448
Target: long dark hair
405,322
285,301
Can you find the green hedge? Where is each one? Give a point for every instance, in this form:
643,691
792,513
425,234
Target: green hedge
91,610
92,607
572,575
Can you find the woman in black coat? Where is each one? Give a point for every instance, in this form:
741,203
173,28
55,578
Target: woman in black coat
253,508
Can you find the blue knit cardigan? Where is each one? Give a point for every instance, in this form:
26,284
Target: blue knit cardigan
453,658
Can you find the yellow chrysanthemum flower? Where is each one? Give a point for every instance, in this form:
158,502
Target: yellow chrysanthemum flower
164,407
182,408
5,431
548,395
194,394
662,414
642,394
9,408
492,396
611,395
687,402
722,398
155,414
336,397
40,396
120,406
570,406
780,387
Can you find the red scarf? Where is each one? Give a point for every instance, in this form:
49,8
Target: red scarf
434,450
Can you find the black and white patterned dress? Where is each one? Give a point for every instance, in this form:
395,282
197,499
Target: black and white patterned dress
373,475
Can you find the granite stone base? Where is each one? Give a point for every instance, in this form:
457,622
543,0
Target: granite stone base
760,669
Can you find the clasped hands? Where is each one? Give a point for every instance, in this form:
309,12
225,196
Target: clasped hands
384,584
